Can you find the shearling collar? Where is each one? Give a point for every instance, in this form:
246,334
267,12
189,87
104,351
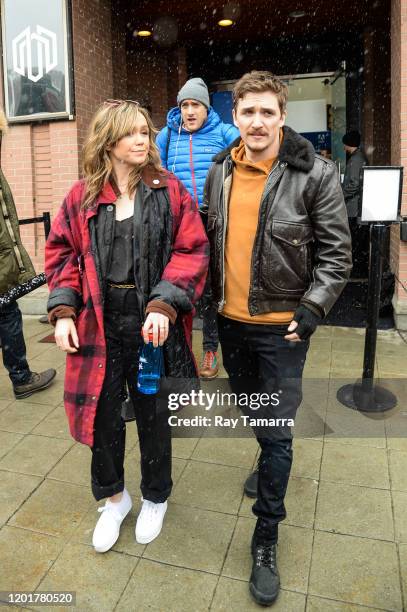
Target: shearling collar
295,150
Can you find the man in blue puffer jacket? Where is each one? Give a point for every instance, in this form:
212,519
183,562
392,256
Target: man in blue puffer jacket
193,135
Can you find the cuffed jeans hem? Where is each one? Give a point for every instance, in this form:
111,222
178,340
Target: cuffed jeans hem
102,491
154,496
210,347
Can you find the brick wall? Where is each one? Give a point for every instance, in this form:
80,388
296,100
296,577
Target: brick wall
41,161
92,44
399,134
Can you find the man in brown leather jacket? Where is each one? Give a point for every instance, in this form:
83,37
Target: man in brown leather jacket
280,257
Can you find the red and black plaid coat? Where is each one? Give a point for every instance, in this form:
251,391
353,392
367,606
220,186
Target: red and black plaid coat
71,265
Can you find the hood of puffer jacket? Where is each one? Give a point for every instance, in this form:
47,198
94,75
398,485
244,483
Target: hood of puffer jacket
174,120
295,150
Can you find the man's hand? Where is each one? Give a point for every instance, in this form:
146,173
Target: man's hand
64,330
158,324
303,325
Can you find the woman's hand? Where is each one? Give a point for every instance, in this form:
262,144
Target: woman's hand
158,324
64,330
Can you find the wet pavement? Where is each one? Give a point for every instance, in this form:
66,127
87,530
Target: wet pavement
343,546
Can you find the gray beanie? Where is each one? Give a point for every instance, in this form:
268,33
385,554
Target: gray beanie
194,89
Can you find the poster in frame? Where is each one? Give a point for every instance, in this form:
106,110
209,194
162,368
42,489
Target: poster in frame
37,60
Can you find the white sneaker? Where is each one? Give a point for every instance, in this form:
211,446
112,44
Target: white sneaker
150,521
107,528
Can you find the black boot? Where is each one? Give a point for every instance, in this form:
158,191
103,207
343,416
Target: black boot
264,582
36,382
250,486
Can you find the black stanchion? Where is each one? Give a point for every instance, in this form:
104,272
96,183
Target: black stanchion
365,395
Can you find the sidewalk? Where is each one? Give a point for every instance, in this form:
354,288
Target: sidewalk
343,546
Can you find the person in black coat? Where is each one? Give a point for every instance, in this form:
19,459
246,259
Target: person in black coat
351,192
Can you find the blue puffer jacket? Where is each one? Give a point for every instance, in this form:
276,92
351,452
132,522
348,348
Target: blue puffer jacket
190,153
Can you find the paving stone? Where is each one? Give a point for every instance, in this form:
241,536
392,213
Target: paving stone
35,455
210,486
398,470
192,538
21,417
307,456
348,463
7,441
4,403
234,595
25,558
348,345
353,427
310,421
98,580
400,515
293,554
14,490
54,425
55,508
74,466
300,501
163,587
403,568
353,510
238,452
183,447
317,604
350,361
355,570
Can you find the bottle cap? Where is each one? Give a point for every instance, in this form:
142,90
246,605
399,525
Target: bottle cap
150,335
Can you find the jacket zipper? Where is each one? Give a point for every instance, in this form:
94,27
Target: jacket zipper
225,217
191,163
267,189
269,185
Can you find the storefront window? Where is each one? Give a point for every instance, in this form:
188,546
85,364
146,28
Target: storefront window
36,61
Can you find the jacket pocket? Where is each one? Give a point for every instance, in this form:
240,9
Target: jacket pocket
288,265
9,270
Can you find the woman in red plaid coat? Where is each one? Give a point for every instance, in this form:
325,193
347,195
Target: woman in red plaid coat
127,256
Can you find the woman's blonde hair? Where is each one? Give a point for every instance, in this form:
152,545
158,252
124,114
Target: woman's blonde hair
112,121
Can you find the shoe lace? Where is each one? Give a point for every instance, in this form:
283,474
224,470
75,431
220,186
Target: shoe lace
208,359
266,556
111,509
149,509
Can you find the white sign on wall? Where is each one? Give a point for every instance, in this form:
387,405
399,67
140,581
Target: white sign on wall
45,43
307,115
36,59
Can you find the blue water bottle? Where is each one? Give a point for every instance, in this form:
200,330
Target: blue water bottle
150,368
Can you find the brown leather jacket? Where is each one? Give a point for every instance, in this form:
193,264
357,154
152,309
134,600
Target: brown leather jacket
302,248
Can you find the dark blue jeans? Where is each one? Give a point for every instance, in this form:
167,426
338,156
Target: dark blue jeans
209,313
259,360
12,344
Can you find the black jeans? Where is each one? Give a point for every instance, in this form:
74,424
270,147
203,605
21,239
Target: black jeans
13,345
209,313
259,360
123,342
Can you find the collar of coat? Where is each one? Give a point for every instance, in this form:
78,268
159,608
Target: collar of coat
151,177
295,150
